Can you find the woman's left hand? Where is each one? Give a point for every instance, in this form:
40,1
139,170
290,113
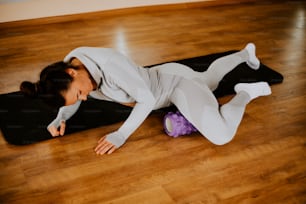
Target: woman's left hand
104,147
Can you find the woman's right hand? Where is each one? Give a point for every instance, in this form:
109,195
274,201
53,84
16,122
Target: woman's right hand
54,131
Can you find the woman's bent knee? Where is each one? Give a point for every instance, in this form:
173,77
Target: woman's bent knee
220,139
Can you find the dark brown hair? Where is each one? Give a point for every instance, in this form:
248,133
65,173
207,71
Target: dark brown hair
54,80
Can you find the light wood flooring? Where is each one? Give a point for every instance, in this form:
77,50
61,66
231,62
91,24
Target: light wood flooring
266,161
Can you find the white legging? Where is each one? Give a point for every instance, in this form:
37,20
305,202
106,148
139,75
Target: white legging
195,100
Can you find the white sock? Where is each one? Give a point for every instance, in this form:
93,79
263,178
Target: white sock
254,90
253,61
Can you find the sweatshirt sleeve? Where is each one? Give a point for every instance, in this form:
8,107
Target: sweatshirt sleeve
128,80
65,113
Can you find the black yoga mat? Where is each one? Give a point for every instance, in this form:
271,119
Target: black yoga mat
24,120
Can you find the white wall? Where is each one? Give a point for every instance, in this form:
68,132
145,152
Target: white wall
13,10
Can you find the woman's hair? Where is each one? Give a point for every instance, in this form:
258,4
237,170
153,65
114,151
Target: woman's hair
54,80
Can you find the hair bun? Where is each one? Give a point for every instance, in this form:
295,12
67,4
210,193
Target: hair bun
29,89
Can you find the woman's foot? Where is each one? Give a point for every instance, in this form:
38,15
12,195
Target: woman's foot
254,90
253,61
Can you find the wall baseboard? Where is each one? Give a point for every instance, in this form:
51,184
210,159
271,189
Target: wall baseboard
31,9
118,11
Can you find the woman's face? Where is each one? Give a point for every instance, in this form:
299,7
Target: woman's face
80,86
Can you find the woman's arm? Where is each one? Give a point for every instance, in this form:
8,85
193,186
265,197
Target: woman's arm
126,78
109,143
64,114
139,113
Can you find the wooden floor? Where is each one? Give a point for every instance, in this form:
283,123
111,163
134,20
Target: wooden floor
266,161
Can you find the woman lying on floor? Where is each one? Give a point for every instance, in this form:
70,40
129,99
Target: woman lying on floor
105,74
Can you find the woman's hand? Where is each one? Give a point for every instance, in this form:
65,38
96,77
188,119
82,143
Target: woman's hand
55,132
104,147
